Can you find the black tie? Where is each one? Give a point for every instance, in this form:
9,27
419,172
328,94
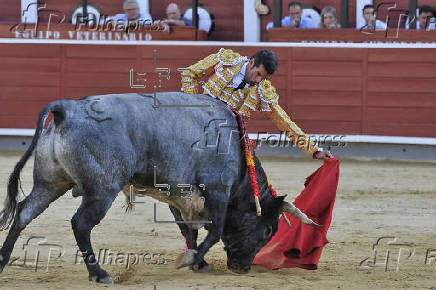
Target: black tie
241,85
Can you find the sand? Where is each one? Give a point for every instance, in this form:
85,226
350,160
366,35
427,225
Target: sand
375,199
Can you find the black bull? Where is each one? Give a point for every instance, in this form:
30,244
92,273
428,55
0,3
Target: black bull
98,145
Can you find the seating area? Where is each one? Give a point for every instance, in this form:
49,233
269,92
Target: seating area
224,21
361,79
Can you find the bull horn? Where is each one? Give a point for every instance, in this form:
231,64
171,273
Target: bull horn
286,219
293,210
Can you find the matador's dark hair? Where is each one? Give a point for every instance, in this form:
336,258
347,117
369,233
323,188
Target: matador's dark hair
267,58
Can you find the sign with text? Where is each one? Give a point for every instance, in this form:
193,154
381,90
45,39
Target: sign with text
73,32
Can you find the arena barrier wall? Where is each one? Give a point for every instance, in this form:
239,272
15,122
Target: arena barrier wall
355,89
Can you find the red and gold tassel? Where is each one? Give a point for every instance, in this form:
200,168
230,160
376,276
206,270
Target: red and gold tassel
250,162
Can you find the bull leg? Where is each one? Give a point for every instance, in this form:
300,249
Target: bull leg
90,213
191,239
216,204
27,210
189,234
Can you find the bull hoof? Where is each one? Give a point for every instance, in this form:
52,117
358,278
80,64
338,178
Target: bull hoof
202,267
205,269
239,271
185,259
235,267
1,264
105,280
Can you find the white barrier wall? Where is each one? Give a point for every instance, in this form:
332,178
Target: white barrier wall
251,22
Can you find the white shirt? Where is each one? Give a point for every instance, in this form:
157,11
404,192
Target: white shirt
143,18
431,25
240,77
379,25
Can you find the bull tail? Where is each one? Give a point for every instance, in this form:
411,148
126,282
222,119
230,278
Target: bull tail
10,204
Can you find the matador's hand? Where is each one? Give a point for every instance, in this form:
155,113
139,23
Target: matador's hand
323,155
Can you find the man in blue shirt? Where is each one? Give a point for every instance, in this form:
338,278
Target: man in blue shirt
132,14
295,18
174,16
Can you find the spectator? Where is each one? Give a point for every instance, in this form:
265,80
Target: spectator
174,16
329,18
295,18
425,14
132,14
371,23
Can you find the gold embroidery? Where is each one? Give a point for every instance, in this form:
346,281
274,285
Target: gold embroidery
217,84
267,92
204,67
220,68
229,57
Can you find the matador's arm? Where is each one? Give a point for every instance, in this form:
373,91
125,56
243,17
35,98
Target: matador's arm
204,67
269,104
291,130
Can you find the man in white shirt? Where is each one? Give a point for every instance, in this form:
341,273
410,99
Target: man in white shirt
426,19
132,14
371,23
295,18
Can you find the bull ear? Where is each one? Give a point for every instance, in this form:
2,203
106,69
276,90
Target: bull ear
278,202
270,206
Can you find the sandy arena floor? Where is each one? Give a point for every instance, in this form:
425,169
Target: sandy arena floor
375,199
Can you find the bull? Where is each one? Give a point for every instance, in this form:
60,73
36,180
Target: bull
100,145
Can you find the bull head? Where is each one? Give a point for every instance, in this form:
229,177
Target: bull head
245,233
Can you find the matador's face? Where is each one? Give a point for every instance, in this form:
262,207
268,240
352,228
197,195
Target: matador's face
255,74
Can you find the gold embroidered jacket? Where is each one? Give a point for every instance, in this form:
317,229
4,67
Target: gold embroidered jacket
220,69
